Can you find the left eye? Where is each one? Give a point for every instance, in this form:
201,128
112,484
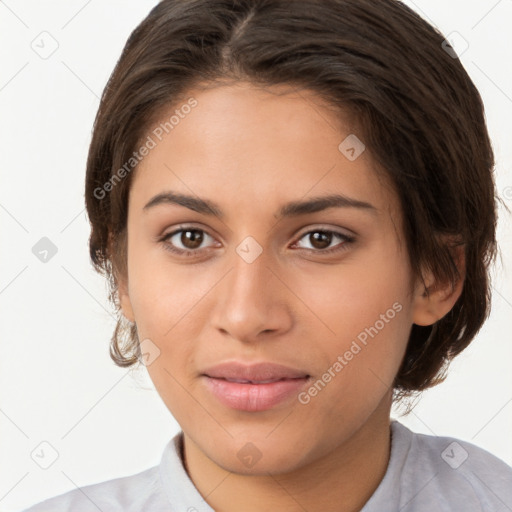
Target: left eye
320,240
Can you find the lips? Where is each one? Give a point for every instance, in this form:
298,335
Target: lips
253,388
243,381
260,373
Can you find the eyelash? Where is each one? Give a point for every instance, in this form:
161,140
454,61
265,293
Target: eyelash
346,240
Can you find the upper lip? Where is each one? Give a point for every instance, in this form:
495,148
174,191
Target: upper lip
253,372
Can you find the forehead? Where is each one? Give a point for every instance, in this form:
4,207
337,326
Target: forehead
240,144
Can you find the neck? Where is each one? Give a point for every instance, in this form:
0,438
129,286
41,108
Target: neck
341,481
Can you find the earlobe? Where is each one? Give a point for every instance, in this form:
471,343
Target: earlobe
125,303
433,300
424,312
122,282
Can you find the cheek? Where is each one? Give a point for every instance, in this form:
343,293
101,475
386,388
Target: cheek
367,309
168,304
361,359
162,293
367,289
165,303
174,387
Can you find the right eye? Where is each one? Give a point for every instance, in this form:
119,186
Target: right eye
191,239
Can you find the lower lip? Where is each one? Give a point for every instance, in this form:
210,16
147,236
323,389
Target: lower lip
253,397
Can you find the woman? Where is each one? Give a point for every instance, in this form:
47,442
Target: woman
294,205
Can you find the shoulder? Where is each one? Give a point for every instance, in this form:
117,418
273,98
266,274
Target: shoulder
444,472
135,492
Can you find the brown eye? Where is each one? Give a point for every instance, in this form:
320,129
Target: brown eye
191,238
320,241
187,240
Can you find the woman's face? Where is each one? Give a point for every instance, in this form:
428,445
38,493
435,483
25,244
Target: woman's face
324,289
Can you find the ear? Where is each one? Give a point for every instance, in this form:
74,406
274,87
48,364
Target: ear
433,300
124,300
121,280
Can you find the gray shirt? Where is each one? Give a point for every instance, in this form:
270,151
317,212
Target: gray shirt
424,474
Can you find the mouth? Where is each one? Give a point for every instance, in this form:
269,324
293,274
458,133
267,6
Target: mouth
254,387
256,373
245,381
254,395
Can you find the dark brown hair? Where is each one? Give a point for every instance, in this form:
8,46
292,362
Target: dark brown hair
420,117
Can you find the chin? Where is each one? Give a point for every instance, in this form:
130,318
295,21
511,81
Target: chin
259,455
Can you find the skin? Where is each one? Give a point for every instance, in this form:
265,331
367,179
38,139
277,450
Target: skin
252,151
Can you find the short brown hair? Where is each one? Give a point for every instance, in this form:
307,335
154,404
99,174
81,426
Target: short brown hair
420,115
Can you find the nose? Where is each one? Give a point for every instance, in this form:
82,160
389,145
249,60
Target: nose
251,302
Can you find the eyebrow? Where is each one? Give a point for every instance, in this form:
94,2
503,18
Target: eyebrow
291,209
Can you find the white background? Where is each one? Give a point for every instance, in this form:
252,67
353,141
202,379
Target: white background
57,381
